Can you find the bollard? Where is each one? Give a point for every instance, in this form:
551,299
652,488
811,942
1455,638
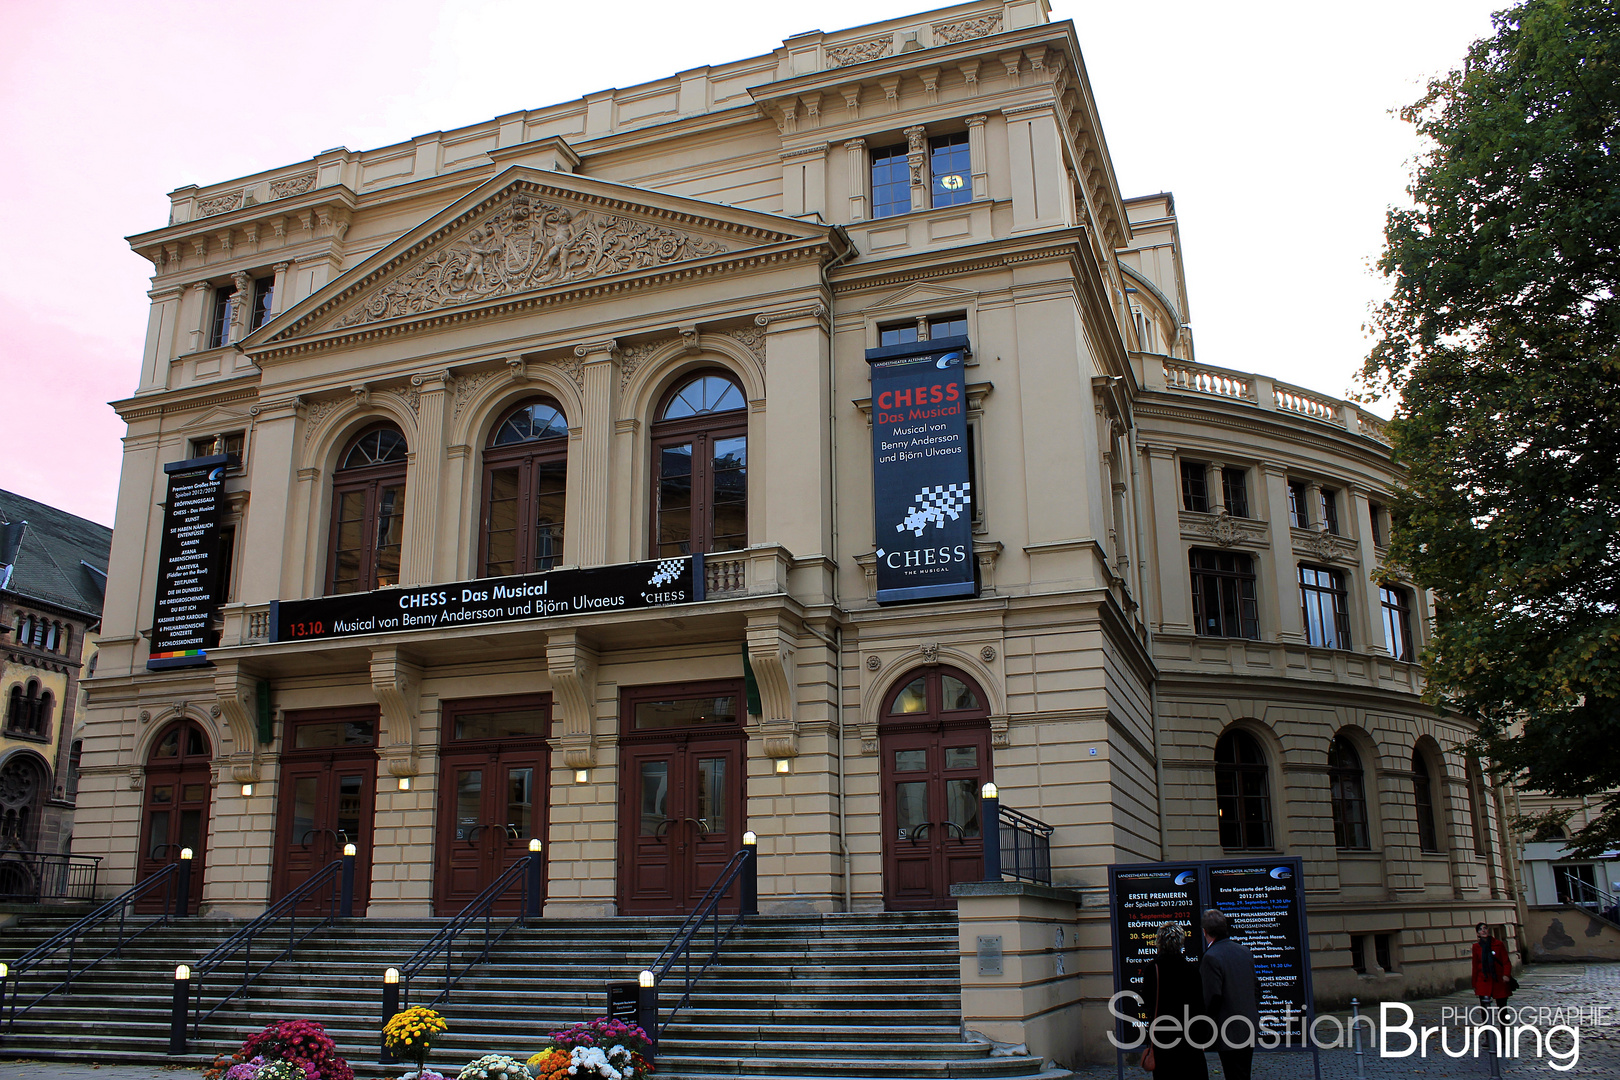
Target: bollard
990,811
1496,1056
750,875
182,1004
531,890
390,1008
1355,1016
647,1012
346,898
182,900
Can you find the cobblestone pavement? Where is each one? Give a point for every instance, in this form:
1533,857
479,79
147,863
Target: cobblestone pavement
1588,996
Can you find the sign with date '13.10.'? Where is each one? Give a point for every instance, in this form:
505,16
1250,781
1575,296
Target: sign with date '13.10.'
583,591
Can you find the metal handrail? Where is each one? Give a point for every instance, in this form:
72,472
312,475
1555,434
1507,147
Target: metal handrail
1030,846
242,940
120,907
443,942
707,911
50,875
1594,899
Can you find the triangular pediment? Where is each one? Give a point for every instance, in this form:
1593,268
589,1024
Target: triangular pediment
526,232
925,294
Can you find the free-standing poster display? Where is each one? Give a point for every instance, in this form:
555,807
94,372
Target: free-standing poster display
1264,900
190,581
921,485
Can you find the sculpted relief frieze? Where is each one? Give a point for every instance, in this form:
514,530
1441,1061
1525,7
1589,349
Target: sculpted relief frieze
527,244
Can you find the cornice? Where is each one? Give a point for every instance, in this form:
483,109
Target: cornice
336,193
147,406
1004,251
1164,406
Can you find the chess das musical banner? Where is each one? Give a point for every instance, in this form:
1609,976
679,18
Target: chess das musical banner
921,483
190,578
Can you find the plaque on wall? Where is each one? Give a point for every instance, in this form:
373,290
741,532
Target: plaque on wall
189,579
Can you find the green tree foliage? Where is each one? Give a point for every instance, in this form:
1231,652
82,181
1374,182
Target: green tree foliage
1502,337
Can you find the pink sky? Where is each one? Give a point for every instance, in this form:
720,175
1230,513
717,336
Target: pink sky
1270,122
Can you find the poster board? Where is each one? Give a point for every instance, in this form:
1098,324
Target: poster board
190,580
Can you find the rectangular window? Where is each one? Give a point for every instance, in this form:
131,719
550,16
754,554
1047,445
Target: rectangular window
948,164
264,297
1235,491
1327,616
1358,953
1384,949
1397,605
1299,497
229,442
1375,512
1195,486
1330,510
1223,594
219,331
947,326
897,334
891,182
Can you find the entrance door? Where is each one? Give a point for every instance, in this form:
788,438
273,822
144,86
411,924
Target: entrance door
492,795
681,812
935,746
326,795
174,812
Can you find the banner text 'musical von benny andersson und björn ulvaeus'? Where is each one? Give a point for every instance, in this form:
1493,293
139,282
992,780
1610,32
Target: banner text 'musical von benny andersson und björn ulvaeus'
921,484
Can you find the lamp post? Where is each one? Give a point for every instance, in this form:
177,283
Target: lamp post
346,898
177,1013
531,888
647,1010
990,811
750,875
389,1009
182,902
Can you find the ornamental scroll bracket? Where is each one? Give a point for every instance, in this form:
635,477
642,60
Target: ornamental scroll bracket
396,680
235,692
572,664
771,644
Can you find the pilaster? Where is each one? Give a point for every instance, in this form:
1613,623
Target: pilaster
590,536
1175,608
856,149
423,561
1036,169
1367,562
1279,604
978,157
790,481
264,536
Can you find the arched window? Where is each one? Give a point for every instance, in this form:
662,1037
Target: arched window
14,707
1242,792
1349,793
22,785
525,473
1423,804
42,717
29,724
368,506
700,468
1476,808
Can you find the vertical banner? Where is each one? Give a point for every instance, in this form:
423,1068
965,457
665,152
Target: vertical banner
1144,898
921,487
188,579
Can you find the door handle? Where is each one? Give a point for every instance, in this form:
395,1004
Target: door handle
509,832
472,834
961,833
666,823
917,831
700,823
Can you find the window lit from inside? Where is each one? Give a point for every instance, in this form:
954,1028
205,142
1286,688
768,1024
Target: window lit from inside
949,165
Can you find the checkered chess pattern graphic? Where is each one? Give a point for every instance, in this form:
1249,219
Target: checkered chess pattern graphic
667,571
934,505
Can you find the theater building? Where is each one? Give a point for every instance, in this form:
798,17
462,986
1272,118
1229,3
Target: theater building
637,343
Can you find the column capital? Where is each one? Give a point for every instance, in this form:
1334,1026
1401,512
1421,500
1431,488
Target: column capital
607,349
433,382
977,121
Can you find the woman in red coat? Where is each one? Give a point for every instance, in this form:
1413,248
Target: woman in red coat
1491,967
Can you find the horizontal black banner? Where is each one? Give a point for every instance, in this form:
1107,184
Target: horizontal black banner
622,587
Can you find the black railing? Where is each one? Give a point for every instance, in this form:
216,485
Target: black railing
331,888
1015,844
1586,895
40,961
742,868
525,873
32,877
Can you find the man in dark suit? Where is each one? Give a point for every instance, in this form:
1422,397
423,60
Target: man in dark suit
1231,993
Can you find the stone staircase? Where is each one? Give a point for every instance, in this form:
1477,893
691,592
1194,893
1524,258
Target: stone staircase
850,996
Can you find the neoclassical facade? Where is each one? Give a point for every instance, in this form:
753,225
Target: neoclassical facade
635,328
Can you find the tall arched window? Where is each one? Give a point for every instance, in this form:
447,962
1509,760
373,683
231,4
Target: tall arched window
1476,808
368,506
42,716
1423,792
700,468
1242,792
1349,794
525,473
22,786
14,707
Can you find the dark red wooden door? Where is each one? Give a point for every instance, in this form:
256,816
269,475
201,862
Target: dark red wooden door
174,813
326,799
492,795
935,749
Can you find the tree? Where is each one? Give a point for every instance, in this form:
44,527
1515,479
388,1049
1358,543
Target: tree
1502,337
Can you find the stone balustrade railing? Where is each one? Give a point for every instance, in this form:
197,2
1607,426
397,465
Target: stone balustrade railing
1261,391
